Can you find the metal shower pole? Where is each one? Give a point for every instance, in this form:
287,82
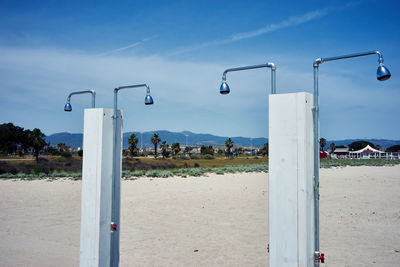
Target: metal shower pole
115,207
382,74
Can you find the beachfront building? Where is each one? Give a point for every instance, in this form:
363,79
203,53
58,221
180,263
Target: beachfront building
369,152
251,151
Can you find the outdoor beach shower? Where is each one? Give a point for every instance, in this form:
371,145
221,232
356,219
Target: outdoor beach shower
224,89
68,106
116,173
382,74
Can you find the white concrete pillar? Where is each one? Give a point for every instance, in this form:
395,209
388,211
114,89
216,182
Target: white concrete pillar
291,193
97,187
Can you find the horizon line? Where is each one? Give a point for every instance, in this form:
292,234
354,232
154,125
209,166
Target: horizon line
181,132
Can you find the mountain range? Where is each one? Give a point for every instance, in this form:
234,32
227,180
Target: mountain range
192,139
75,139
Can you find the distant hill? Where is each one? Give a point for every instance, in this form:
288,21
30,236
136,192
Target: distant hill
75,140
72,140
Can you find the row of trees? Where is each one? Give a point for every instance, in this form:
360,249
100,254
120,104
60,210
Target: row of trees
155,139
175,147
15,139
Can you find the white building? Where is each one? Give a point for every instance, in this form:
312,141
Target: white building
369,152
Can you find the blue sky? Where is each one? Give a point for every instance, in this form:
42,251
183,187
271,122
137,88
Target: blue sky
180,48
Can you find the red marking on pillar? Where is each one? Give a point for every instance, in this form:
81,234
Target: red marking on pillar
322,258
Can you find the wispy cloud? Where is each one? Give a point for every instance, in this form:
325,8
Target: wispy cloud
128,46
289,22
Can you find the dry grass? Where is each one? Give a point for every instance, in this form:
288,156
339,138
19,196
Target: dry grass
48,164
209,163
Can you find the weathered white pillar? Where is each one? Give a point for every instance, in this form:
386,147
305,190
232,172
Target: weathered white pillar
97,187
291,196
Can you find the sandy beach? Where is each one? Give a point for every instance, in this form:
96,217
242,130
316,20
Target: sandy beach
219,220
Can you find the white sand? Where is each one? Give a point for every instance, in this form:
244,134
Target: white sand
223,217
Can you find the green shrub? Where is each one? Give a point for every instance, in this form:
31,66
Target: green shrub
37,170
220,172
165,174
7,176
328,163
152,173
159,173
196,172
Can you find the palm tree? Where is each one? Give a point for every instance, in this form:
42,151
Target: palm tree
155,140
61,147
176,148
229,145
264,150
322,143
37,142
133,140
164,146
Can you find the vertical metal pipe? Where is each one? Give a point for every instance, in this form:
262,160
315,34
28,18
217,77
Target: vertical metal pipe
93,99
273,80
116,186
316,162
316,136
113,182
